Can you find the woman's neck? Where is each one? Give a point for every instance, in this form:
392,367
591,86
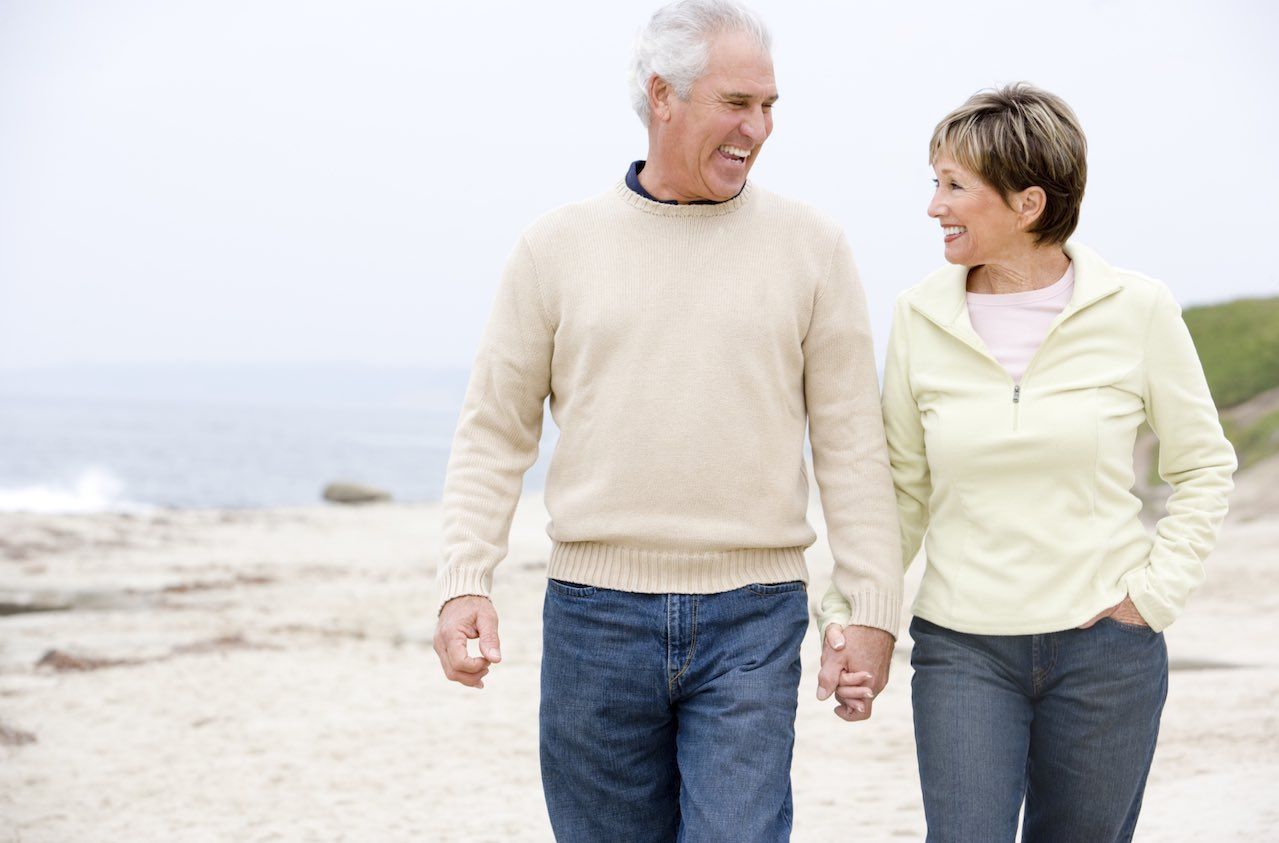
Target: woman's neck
1034,269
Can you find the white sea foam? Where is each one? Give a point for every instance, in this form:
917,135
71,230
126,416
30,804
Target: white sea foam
96,490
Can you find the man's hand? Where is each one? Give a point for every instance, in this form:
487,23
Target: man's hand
855,663
1125,611
461,619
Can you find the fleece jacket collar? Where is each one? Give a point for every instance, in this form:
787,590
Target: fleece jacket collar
942,296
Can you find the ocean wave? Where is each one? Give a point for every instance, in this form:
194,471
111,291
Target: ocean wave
95,490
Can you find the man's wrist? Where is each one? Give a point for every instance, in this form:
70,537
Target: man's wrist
459,597
879,629
876,609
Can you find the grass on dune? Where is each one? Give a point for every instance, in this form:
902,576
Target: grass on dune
1238,343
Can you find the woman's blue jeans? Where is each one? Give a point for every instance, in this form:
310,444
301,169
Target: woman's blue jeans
670,717
1066,721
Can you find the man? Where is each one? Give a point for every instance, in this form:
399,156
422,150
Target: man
686,326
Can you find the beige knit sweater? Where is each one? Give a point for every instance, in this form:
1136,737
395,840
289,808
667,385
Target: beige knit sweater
684,348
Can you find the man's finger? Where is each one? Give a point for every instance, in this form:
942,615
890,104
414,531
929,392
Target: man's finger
490,645
457,659
844,713
470,680
853,714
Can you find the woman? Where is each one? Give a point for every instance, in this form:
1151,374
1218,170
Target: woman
1015,383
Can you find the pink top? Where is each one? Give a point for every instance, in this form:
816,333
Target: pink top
1013,325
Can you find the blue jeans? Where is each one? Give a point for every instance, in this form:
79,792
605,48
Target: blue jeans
1066,721
670,717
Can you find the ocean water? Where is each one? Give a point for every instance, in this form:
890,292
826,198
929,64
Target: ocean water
92,442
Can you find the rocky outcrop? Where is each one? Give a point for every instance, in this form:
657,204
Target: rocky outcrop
352,493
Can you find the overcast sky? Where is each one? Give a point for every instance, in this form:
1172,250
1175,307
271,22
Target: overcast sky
318,181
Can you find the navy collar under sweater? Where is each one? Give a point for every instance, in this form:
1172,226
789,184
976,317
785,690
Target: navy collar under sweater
633,182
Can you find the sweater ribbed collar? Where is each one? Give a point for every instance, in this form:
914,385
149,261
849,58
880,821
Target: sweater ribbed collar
662,209
634,183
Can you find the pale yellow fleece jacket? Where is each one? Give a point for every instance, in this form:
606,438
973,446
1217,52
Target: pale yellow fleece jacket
1024,494
684,349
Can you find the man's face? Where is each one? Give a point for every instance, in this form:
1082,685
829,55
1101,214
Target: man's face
714,138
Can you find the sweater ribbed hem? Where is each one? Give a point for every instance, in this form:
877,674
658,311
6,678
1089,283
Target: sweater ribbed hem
673,572
459,582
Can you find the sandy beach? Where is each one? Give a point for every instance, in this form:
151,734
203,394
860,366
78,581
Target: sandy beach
268,676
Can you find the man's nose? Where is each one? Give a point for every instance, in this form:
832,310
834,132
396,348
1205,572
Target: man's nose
753,125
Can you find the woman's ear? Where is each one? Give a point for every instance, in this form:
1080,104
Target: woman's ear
1030,205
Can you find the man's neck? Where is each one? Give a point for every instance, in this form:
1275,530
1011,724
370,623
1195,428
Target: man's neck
641,179
653,179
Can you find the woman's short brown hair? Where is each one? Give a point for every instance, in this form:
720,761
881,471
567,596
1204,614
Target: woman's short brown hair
1016,137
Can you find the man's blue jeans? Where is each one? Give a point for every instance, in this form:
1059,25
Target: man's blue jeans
1066,720
670,717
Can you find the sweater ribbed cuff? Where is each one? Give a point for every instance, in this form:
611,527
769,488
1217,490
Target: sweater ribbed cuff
878,609
457,582
673,572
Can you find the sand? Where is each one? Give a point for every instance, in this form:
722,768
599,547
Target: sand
268,675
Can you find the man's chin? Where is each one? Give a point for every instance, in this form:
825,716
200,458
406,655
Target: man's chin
726,190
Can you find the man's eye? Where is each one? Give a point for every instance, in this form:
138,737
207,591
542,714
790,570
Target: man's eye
955,186
936,183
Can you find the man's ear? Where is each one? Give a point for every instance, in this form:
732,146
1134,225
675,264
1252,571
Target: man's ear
659,98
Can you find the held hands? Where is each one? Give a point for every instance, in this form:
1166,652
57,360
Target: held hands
855,662
463,618
1125,611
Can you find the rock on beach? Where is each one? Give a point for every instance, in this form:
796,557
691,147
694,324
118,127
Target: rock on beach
354,493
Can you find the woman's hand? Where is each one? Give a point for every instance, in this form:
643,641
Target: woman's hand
1125,611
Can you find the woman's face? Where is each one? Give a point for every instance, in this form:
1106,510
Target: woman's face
978,226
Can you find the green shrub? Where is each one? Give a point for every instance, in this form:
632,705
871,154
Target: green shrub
1238,343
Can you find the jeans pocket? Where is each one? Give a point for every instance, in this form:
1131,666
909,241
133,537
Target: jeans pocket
570,589
764,589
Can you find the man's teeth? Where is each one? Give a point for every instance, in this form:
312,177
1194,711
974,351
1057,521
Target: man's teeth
949,230
735,151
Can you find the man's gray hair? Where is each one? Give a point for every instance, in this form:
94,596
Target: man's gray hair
675,45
